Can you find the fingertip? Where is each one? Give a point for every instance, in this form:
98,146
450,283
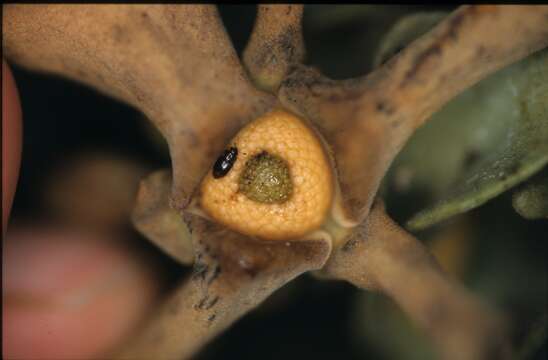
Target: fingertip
69,295
11,140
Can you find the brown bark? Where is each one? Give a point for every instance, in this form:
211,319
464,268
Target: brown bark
275,45
158,221
232,276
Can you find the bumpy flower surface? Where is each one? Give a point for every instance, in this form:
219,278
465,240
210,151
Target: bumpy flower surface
266,179
275,136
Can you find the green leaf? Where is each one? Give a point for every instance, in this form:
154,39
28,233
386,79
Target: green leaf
516,98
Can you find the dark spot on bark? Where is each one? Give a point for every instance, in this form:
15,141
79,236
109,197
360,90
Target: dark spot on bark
207,226
420,61
381,106
286,43
215,274
144,14
211,318
391,54
480,51
200,305
454,25
248,266
288,11
119,35
209,304
350,244
200,270
321,87
435,49
354,204
384,107
186,220
290,82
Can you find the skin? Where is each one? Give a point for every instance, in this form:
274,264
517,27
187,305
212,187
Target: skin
11,140
66,294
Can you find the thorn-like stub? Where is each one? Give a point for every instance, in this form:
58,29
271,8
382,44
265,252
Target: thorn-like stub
266,179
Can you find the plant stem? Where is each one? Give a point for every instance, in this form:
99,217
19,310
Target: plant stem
383,257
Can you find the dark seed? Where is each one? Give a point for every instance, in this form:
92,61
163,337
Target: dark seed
225,162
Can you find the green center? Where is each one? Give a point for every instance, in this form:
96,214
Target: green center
266,179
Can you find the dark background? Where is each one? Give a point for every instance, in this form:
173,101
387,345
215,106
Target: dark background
307,318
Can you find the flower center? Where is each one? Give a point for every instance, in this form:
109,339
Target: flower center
266,179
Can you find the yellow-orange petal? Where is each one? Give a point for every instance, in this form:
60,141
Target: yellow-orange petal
285,135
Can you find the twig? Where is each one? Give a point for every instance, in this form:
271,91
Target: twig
275,45
232,275
367,121
158,222
381,256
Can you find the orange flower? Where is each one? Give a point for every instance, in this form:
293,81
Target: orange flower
284,142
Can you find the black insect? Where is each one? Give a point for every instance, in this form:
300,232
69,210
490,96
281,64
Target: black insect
225,162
